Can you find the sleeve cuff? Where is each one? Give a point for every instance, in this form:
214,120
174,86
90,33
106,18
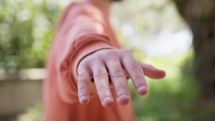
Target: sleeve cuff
85,46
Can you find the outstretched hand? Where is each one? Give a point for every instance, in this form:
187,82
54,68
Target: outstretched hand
115,65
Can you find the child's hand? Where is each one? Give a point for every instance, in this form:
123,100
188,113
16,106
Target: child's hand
113,64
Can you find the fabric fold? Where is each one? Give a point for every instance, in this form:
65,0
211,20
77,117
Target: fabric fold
68,76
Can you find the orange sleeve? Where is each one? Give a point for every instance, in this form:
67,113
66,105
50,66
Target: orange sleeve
78,36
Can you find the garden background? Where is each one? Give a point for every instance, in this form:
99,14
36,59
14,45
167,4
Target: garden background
175,35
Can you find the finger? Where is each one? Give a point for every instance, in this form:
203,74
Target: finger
136,74
101,80
152,72
119,80
83,85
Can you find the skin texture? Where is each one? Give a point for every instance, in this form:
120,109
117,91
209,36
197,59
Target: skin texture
115,65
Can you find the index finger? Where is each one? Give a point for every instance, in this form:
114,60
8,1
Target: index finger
136,74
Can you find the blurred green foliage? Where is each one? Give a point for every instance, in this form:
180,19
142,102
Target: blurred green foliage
26,28
32,114
174,98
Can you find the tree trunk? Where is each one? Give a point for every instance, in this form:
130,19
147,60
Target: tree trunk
200,16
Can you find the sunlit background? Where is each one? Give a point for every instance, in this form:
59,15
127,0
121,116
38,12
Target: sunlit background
153,30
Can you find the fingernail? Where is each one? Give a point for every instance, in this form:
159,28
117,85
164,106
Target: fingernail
84,100
142,90
108,102
123,99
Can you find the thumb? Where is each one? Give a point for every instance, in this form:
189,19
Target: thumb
152,72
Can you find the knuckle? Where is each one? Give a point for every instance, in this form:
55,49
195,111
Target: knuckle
129,58
136,69
90,61
126,52
115,68
135,66
82,85
82,89
97,56
82,80
117,72
109,53
94,61
101,74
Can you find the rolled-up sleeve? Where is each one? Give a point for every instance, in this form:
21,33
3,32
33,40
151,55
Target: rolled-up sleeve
75,39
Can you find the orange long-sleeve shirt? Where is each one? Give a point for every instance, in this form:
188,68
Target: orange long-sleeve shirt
83,29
